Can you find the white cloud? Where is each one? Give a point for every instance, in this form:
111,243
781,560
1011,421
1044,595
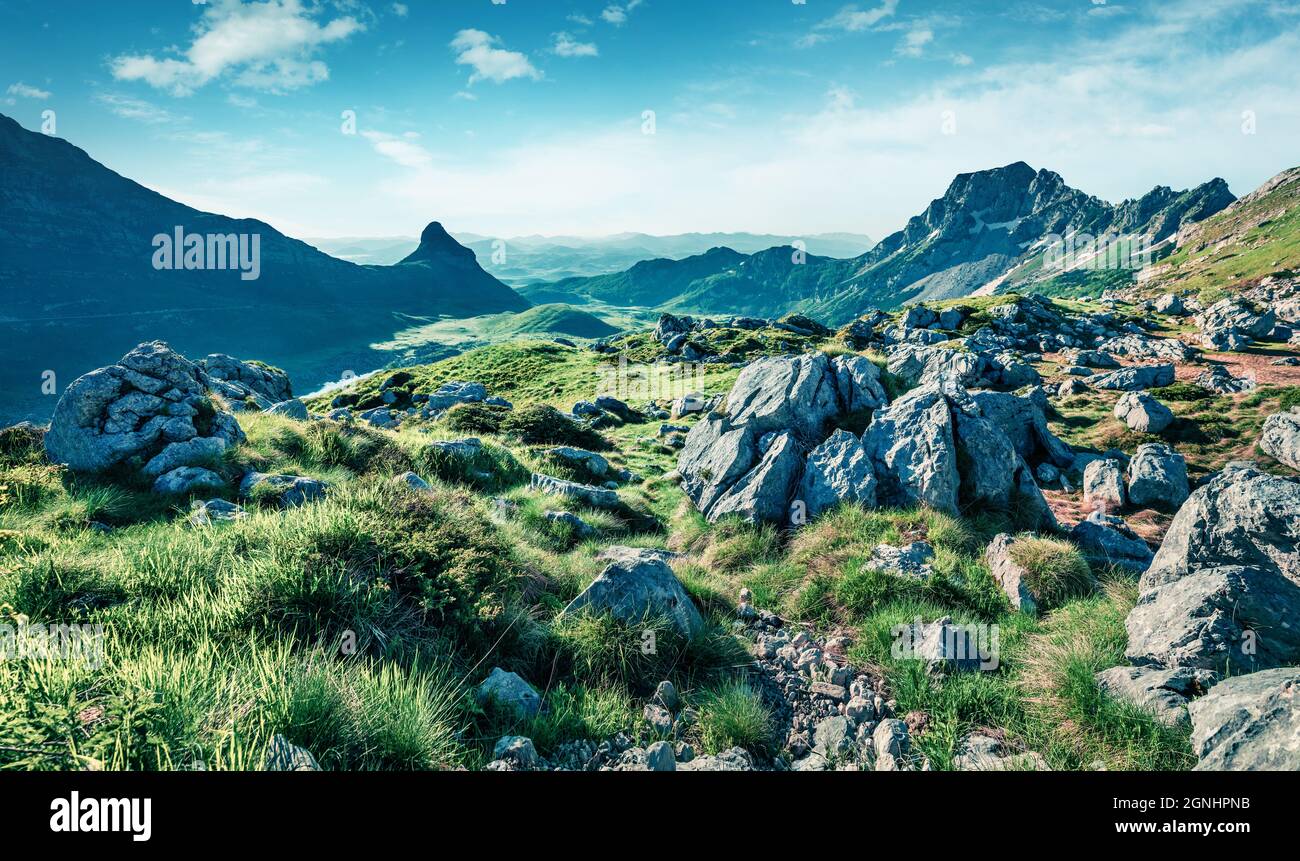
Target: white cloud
268,46
400,150
23,91
849,19
616,14
135,109
401,10
567,46
478,50
914,41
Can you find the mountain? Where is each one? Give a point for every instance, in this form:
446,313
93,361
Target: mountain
80,248
551,320
991,227
1257,236
523,260
990,230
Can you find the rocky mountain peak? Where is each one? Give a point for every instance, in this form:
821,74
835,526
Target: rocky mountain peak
437,244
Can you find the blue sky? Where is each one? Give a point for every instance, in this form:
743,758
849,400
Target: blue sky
527,116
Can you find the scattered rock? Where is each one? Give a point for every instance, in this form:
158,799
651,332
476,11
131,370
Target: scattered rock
639,586
1135,378
510,692
1103,485
287,490
282,755
596,497
1281,438
1163,692
1143,413
1249,723
1009,574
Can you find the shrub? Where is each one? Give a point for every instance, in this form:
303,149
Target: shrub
475,418
540,424
23,443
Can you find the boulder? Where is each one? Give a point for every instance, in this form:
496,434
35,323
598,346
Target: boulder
732,759
288,491
1135,345
1162,692
188,479
509,691
942,645
589,461
637,587
132,411
1241,516
1232,324
748,457
596,497
919,365
1232,618
1171,304
1281,438
838,470
914,452
580,528
1009,574
1157,478
412,481
215,511
1023,420
261,381
1249,723
1135,378
292,409
282,755
910,560
981,752
516,750
1143,413
1106,540
1103,485
1217,378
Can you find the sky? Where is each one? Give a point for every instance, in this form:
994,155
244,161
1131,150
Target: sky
333,118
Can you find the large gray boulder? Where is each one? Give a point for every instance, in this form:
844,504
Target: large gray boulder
1242,516
245,379
1021,418
1231,324
838,470
914,451
1162,692
1103,485
1230,618
1281,437
919,365
1107,540
287,491
1143,413
596,497
748,457
639,586
1134,379
153,401
1009,574
1249,723
1157,478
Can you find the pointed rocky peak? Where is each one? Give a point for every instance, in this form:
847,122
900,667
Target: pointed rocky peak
436,244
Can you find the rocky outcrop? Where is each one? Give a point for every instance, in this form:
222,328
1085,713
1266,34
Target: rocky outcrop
639,587
913,447
1281,437
1135,378
1164,693
1103,485
596,497
1106,540
1249,723
1157,478
1223,592
153,410
240,380
1143,413
286,491
746,458
1231,324
509,692
838,470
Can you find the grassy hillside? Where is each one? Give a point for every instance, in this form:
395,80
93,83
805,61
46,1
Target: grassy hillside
553,319
1256,237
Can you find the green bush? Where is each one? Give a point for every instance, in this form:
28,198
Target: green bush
1056,569
540,424
475,418
733,715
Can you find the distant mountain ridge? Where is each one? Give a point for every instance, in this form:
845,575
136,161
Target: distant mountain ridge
985,227
78,287
523,260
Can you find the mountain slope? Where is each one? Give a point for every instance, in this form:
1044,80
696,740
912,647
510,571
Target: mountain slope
78,285
1255,237
988,231
991,222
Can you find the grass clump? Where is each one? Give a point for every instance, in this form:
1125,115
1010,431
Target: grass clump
1056,569
732,714
540,424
